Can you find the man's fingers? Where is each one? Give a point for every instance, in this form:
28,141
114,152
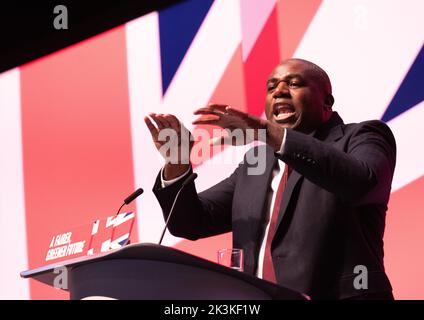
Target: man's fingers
173,122
151,127
160,120
235,112
211,119
219,107
216,109
208,111
247,118
156,119
178,126
165,121
199,121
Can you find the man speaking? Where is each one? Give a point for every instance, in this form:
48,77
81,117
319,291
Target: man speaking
314,220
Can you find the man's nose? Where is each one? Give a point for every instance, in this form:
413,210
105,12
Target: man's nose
282,90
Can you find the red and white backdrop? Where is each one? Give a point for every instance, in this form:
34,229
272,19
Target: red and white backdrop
73,142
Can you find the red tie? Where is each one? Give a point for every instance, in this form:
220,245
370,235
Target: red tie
268,272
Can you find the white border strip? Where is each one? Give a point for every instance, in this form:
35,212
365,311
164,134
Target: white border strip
13,240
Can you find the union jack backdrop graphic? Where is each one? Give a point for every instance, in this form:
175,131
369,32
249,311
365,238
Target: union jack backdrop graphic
74,142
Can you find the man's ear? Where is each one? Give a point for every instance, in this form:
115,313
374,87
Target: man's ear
329,101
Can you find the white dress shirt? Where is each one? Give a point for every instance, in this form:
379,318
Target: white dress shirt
277,174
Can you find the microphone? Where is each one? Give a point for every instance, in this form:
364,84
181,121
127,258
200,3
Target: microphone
130,198
133,195
190,179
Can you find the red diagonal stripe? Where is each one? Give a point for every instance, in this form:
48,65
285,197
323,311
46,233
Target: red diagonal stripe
76,141
259,64
294,17
403,241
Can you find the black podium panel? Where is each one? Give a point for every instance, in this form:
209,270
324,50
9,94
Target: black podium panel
143,279
150,271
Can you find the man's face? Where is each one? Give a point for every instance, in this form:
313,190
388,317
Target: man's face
296,98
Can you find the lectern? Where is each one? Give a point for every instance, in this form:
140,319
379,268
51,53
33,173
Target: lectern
150,271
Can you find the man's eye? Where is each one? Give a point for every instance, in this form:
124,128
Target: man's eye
270,86
294,84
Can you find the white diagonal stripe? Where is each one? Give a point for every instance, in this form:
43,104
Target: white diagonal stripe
407,128
145,92
205,61
193,84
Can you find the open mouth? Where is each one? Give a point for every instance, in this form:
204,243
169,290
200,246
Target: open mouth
283,112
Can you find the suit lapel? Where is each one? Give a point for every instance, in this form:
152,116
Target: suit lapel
330,132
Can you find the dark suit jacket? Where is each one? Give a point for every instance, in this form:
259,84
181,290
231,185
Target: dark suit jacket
332,214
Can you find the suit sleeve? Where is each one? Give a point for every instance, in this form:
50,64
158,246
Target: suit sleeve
360,175
197,215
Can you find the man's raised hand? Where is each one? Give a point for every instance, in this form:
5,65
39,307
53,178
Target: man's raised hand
173,141
238,123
